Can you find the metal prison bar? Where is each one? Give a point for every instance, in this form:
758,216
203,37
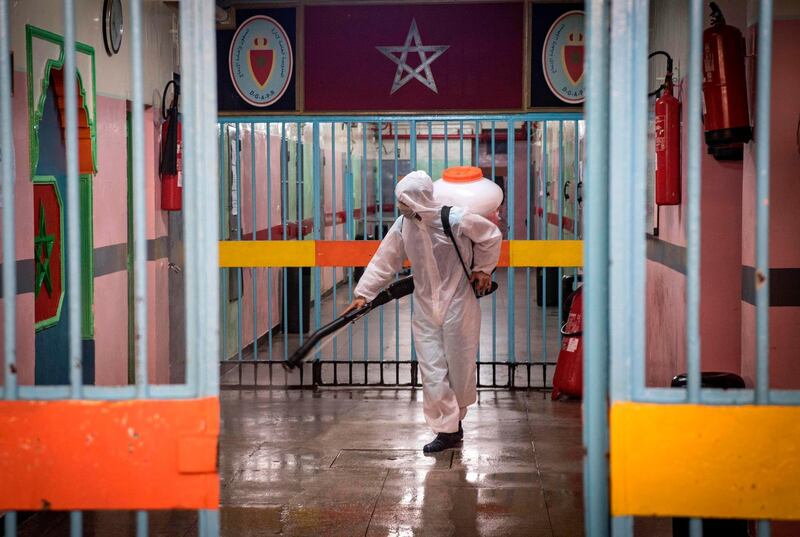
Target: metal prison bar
312,182
201,236
615,309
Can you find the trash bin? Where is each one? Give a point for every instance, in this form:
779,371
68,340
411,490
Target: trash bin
712,379
298,304
712,527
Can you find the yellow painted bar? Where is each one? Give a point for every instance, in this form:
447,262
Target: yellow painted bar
705,461
555,253
267,254
278,253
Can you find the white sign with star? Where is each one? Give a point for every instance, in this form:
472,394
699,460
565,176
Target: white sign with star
404,71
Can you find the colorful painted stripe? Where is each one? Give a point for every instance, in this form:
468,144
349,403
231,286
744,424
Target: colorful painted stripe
358,253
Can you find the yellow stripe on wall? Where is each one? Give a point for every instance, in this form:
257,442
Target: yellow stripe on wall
546,253
705,461
267,254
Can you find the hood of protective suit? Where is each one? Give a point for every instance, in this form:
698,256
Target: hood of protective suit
415,190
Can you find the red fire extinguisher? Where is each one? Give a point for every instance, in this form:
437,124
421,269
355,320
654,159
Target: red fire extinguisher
568,377
667,140
170,164
725,111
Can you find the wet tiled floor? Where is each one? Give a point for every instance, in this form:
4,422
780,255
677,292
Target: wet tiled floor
348,462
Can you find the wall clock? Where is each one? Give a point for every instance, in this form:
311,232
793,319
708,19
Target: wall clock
112,25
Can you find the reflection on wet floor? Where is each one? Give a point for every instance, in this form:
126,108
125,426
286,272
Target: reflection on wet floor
345,462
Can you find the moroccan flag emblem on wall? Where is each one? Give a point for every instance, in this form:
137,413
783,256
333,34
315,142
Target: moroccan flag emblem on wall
47,249
414,57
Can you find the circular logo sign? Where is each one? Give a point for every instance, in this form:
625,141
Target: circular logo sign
562,57
260,61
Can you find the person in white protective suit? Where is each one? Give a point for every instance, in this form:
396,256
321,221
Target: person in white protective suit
447,318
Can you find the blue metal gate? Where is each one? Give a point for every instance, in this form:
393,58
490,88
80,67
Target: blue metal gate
330,181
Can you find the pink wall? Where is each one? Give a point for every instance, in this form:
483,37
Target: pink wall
720,275
784,214
109,228
23,192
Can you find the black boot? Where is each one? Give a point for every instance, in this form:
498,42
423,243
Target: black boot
442,442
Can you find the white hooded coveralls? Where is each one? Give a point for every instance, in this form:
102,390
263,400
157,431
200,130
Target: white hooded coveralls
447,317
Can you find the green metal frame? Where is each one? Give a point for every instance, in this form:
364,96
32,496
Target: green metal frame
35,110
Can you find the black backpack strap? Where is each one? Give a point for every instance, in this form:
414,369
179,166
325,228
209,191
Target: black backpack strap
449,232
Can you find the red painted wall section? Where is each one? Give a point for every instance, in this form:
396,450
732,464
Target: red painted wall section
784,208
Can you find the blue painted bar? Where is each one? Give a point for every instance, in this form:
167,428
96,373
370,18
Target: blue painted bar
239,275
764,528
430,149
528,223
595,373
349,195
379,192
762,136
560,211
333,210
530,116
394,202
510,144
9,236
223,272
693,186
627,199
75,518
446,160
106,393
73,202
139,208
317,232
253,205
284,216
622,526
494,296
364,214
141,523
696,525
543,236
412,140
269,237
10,518
208,520
300,194
461,143
198,60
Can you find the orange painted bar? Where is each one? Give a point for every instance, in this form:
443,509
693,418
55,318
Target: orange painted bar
137,454
359,253
505,256
345,253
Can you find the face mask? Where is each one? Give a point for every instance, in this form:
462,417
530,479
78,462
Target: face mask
405,210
